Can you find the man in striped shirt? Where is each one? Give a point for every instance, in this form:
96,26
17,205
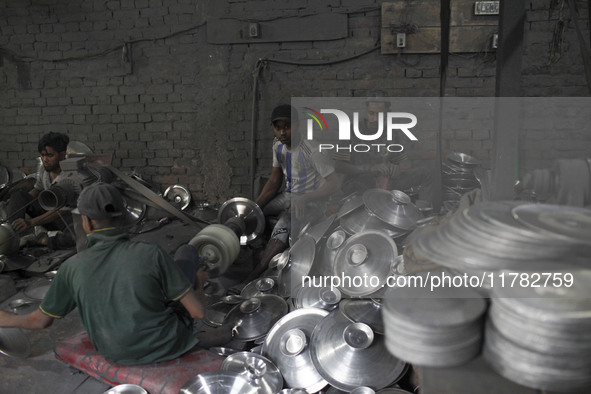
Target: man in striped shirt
307,175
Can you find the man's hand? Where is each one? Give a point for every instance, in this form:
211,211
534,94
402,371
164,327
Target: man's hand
202,277
20,225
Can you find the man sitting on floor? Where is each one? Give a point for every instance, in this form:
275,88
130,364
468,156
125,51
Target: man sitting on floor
135,302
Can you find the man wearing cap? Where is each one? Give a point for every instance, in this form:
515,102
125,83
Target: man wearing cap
309,177
126,292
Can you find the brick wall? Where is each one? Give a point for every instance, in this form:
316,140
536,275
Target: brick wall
182,112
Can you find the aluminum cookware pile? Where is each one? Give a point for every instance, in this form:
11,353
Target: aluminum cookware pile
458,178
541,337
439,328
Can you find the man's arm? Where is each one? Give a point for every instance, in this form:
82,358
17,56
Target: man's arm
32,321
271,187
194,300
22,224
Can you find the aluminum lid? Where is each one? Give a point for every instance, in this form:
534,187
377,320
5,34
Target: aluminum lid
246,210
368,311
288,345
369,363
259,370
393,207
253,318
365,255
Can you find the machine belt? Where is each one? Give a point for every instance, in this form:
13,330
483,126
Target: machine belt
154,198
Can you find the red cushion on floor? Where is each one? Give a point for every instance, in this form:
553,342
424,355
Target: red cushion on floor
160,378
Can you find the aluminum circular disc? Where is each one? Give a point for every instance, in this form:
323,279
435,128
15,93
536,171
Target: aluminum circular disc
570,223
257,368
295,362
14,343
179,195
247,210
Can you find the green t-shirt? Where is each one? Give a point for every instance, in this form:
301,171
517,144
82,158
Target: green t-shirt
124,292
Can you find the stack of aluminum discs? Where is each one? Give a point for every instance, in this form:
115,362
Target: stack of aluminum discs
505,234
457,178
540,337
436,329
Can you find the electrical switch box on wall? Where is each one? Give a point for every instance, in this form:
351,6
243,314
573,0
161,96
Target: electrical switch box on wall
419,22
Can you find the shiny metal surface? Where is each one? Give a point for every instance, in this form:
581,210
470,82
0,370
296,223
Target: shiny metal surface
368,254
259,370
317,297
126,389
179,195
318,230
223,351
349,204
438,328
77,147
349,355
302,255
219,382
393,207
216,313
14,343
253,318
572,224
363,220
288,345
134,211
367,311
249,212
259,286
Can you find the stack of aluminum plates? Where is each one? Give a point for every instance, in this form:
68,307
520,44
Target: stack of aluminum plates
433,328
458,178
540,337
509,235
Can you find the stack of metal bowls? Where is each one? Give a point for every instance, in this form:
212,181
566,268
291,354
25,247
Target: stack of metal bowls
349,355
435,328
458,178
540,337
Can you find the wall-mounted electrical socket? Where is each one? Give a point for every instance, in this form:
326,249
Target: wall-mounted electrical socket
495,41
486,8
253,30
401,40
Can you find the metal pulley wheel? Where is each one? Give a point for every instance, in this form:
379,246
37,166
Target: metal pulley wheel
178,195
218,245
247,212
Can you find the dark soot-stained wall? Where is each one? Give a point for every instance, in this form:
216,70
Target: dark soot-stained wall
181,110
